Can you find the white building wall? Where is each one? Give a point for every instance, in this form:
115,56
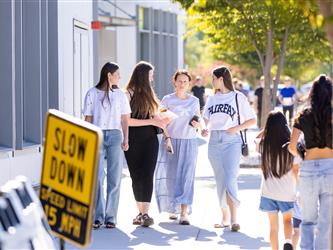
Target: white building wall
68,11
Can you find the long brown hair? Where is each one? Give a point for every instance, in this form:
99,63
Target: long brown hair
225,73
144,103
276,160
103,83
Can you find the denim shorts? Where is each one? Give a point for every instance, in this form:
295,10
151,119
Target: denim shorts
296,222
269,205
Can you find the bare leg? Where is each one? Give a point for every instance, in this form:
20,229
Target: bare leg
287,225
145,207
233,210
183,211
274,230
295,238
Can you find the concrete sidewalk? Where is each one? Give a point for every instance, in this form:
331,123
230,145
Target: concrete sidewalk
200,234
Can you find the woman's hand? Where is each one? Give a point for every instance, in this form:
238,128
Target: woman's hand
233,130
195,124
124,145
204,132
160,122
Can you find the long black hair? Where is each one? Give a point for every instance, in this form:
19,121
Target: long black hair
276,159
320,98
103,83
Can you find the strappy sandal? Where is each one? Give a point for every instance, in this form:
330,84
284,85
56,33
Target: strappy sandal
97,224
110,225
137,220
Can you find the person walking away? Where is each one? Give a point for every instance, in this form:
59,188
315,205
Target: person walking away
278,182
198,91
144,123
107,107
316,172
224,147
287,98
174,178
258,93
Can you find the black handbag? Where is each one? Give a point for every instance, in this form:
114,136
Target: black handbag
245,147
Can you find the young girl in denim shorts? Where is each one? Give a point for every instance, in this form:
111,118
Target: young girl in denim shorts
278,183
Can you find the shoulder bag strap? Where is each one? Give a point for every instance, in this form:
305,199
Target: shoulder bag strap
238,116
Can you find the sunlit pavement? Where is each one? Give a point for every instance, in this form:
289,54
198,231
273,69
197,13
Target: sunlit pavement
201,234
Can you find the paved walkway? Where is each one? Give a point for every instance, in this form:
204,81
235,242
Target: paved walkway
200,234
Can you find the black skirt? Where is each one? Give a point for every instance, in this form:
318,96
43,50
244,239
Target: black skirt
141,160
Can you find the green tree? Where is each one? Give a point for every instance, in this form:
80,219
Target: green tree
272,29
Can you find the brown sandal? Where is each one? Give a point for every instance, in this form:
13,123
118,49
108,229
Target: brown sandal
97,224
138,219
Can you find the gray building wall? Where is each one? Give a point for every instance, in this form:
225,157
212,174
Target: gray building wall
28,75
157,43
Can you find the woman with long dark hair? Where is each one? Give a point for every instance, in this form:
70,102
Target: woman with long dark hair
316,172
107,107
174,185
142,155
224,148
278,183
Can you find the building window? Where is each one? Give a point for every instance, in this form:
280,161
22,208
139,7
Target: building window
157,34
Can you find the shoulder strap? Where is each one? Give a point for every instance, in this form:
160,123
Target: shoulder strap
238,116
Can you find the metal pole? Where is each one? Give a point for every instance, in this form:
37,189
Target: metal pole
62,244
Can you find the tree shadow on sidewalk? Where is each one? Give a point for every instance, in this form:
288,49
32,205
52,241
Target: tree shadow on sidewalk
188,232
150,236
242,240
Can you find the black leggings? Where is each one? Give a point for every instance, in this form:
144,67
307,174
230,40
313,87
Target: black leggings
141,160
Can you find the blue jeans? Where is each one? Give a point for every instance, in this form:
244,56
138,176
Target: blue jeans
316,190
224,153
113,154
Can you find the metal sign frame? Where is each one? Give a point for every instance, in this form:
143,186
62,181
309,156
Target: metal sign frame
90,128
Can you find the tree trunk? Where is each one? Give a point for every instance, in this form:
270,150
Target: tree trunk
325,8
267,104
280,65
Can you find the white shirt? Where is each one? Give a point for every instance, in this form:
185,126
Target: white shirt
106,115
280,189
185,109
221,110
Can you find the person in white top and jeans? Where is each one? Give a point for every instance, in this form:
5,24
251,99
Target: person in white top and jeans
107,107
224,148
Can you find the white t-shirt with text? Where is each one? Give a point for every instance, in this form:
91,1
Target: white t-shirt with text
221,110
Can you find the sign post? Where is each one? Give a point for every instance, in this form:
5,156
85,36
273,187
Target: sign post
70,163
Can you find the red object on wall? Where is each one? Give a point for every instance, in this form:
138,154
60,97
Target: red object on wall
96,25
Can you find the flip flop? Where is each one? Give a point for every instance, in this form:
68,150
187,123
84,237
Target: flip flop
221,225
110,225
